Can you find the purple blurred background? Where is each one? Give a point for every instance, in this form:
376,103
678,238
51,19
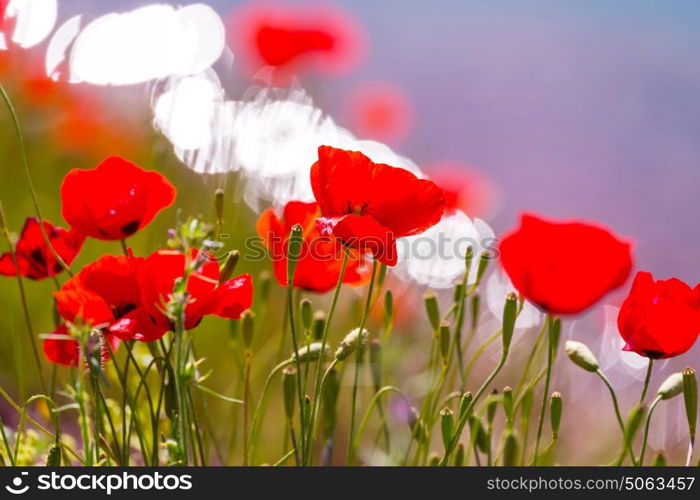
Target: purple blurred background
577,108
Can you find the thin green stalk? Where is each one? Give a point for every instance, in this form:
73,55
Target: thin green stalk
295,346
324,341
358,361
25,163
374,402
23,297
547,381
656,401
626,446
646,381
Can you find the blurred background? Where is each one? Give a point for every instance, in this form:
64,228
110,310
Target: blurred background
573,109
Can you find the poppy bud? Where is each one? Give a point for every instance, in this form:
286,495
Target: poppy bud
226,270
476,302
307,407
296,240
508,405
381,276
580,354
555,407
388,310
634,420
289,388
432,308
690,395
319,325
264,280
464,403
491,407
459,455
219,203
306,313
247,327
671,387
311,352
511,449
444,339
510,312
433,459
660,460
375,363
484,260
348,345
447,421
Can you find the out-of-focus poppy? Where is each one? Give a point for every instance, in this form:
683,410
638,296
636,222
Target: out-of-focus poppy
319,265
296,38
380,111
106,295
369,205
204,293
114,200
34,258
466,188
564,267
660,319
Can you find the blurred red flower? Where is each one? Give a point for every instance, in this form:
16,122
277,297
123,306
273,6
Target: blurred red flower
318,269
106,294
660,319
205,294
466,189
564,267
60,348
380,111
114,200
34,258
369,205
291,38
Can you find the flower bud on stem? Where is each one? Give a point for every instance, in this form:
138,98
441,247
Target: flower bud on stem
432,308
690,395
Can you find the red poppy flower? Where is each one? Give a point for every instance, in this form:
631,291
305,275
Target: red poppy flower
368,205
660,319
34,259
564,267
380,111
318,267
466,189
297,37
206,296
106,294
60,348
114,200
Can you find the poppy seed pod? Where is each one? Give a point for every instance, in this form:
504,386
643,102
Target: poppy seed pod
444,339
319,325
508,405
468,257
555,408
446,426
306,313
348,345
229,266
464,403
457,294
475,304
289,389
491,407
484,260
432,308
248,327
294,246
511,449
459,455
580,354
264,281
510,313
660,460
219,204
671,387
690,395
388,309
375,363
